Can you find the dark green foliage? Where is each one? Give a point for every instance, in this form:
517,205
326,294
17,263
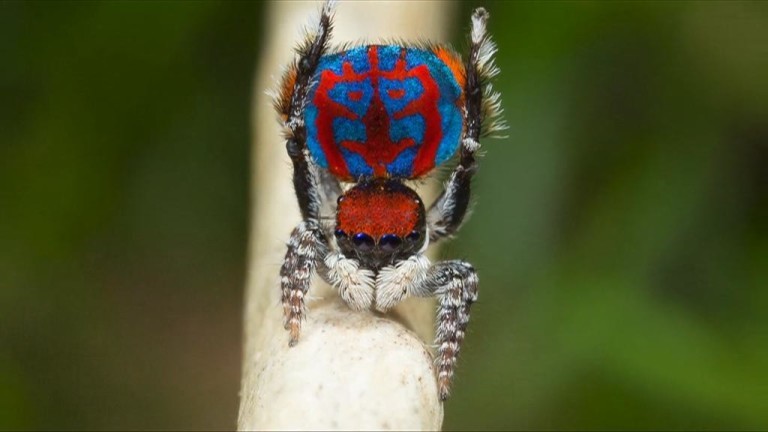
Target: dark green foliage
124,145
621,231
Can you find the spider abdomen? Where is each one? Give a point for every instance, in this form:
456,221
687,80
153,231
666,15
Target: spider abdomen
385,111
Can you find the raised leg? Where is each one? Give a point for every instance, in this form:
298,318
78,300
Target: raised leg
306,247
454,283
308,244
290,101
482,109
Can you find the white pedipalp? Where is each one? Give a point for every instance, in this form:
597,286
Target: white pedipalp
394,283
355,284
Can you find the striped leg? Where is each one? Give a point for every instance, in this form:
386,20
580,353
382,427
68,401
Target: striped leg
306,247
454,283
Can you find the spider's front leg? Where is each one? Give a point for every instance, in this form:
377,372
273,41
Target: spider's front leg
454,283
306,247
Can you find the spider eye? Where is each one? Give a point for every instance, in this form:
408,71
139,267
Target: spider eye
339,233
413,236
390,242
363,242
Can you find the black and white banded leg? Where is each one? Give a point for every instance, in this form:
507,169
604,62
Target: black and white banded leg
306,247
454,283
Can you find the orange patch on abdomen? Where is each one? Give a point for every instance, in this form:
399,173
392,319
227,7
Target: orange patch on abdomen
454,63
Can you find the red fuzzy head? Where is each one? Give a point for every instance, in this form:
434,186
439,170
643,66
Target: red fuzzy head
379,208
380,220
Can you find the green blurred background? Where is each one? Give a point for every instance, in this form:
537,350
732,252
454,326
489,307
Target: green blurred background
621,231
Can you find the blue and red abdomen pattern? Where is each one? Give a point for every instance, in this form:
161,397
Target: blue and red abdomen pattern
385,111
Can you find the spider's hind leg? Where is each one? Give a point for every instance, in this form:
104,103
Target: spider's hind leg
290,102
308,244
290,99
482,110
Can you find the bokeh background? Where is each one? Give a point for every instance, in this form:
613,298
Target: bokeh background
620,231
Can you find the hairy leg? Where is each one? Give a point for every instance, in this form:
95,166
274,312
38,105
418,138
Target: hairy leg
290,101
482,109
454,283
306,247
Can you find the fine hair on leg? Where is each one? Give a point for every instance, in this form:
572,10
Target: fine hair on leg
306,247
455,284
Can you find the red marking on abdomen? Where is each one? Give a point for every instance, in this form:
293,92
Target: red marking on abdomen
379,150
355,95
426,105
328,110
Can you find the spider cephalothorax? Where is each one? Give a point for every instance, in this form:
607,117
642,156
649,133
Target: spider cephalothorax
359,122
380,222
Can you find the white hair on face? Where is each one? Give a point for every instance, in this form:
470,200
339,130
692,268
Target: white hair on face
355,284
396,282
